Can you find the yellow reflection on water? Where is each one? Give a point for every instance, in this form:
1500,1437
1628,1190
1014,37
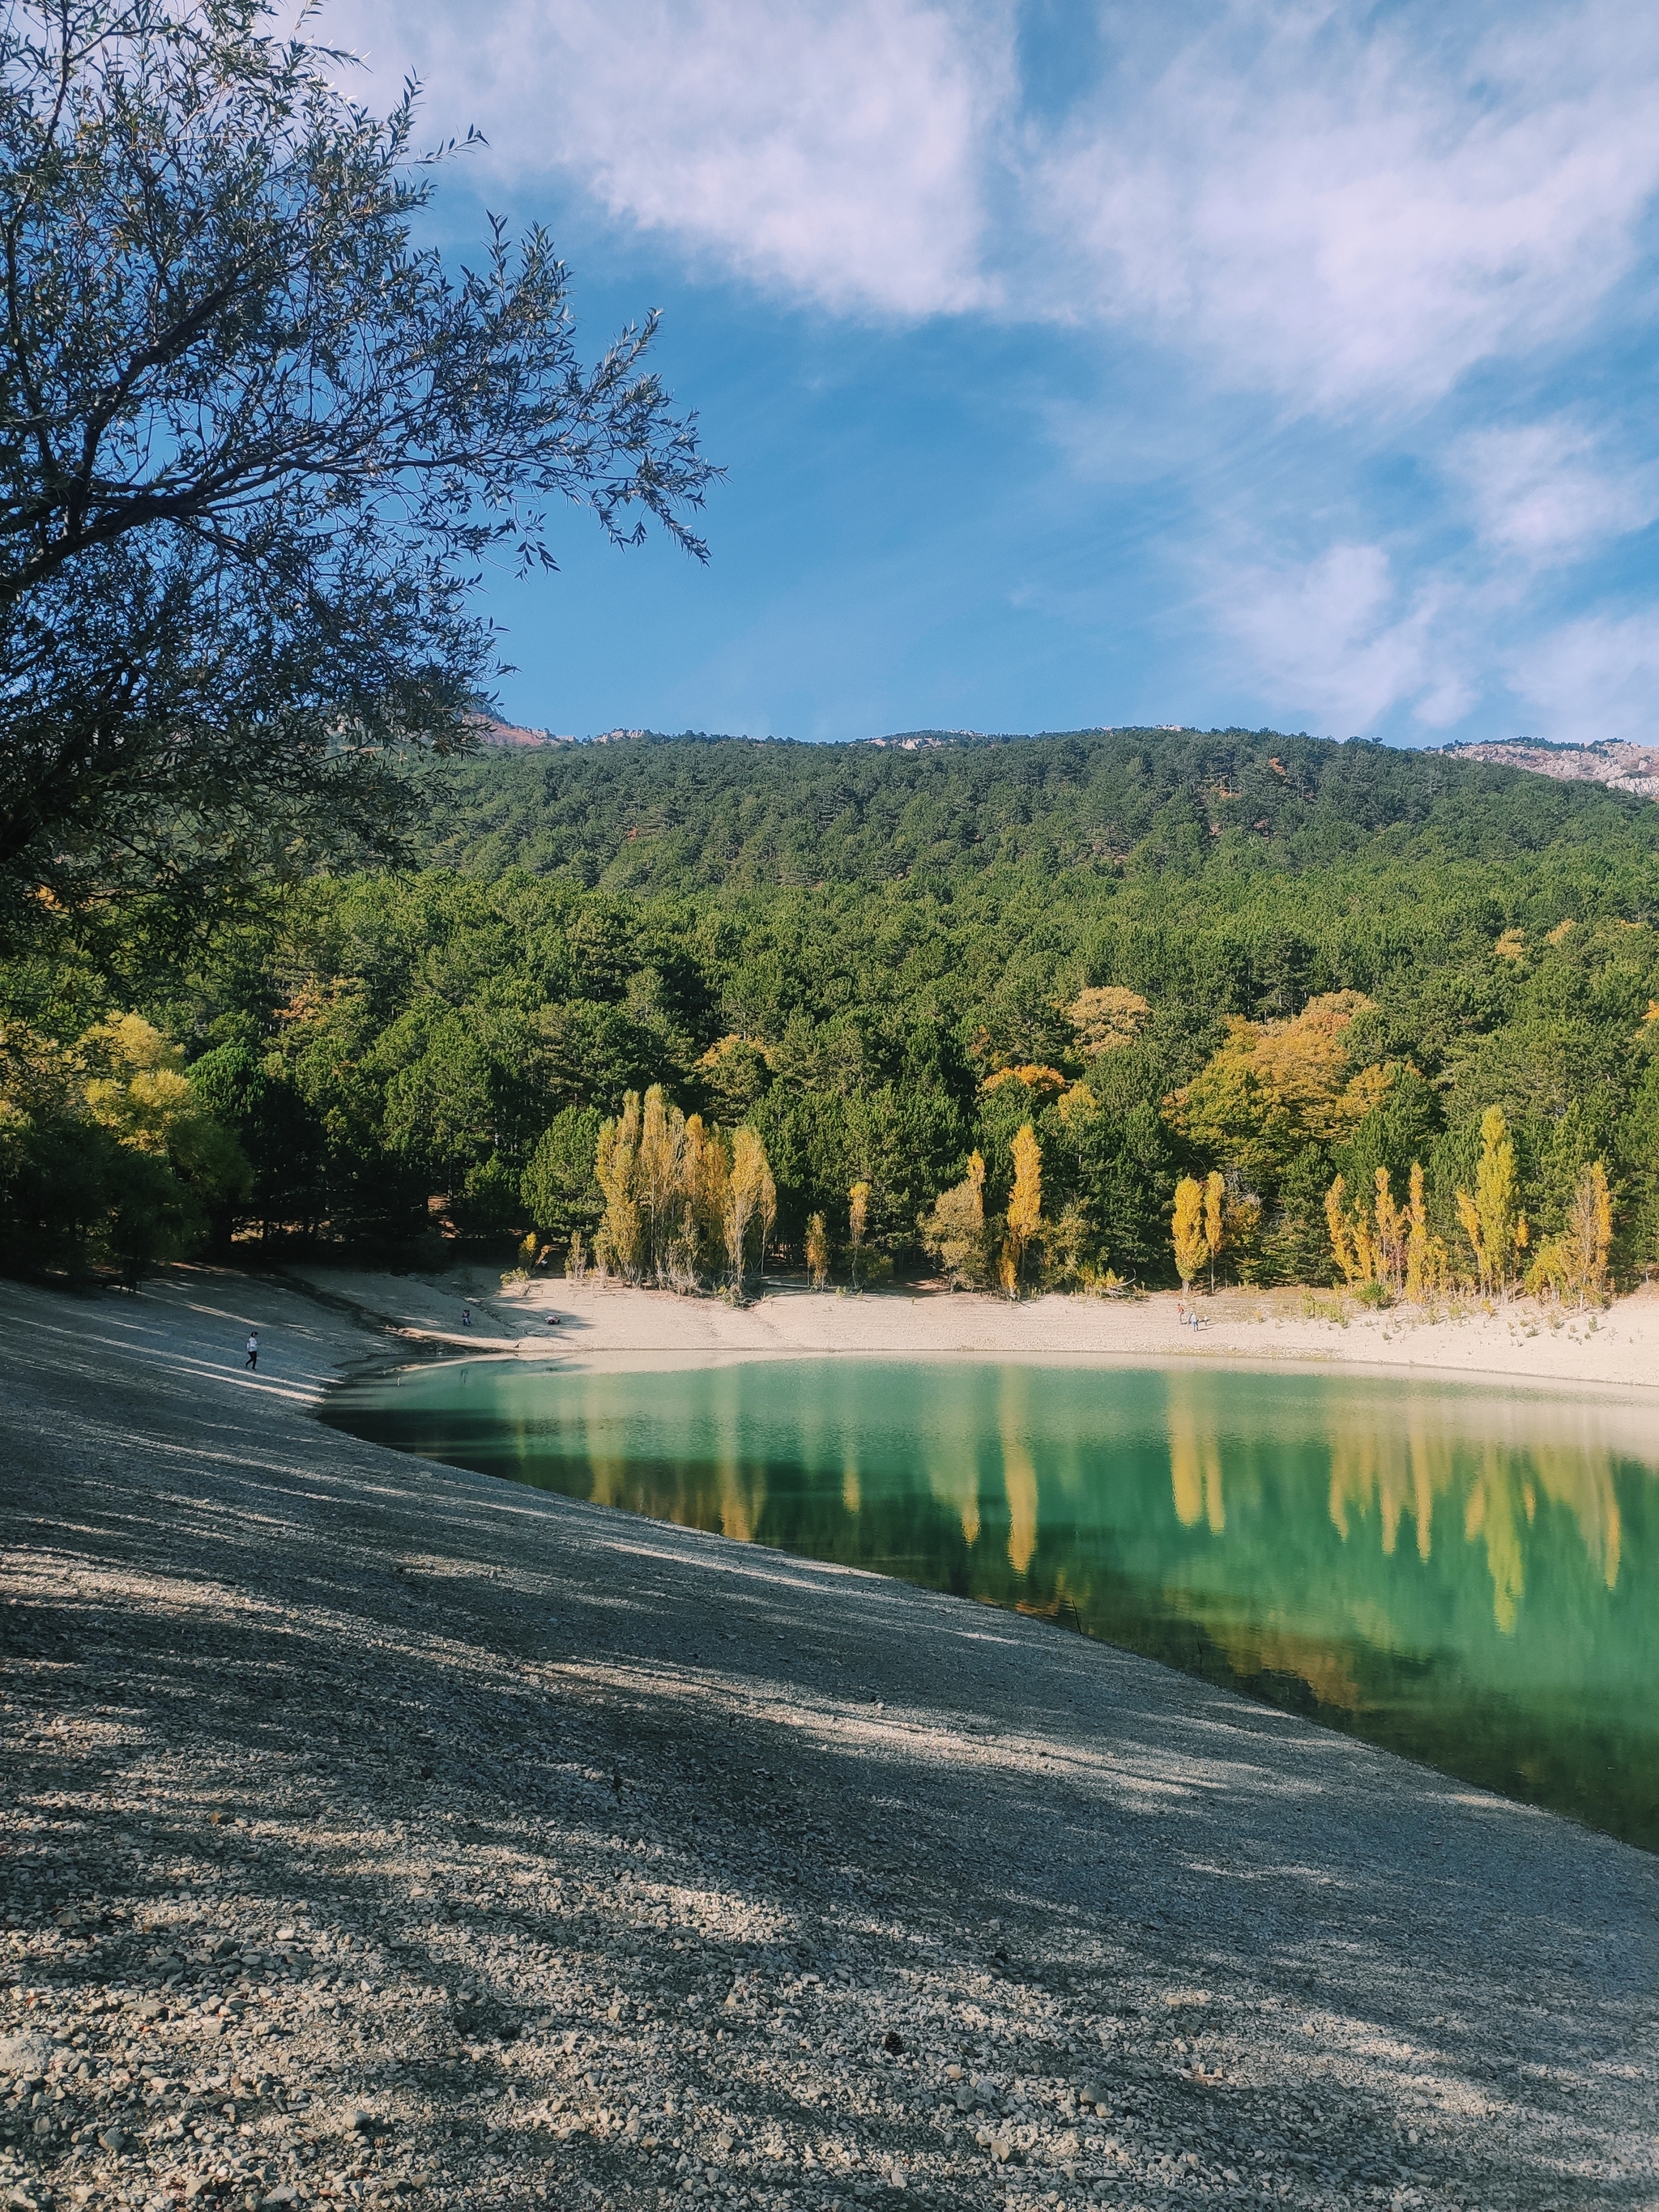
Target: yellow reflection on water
1393,1471
950,1444
1194,1463
852,1494
1018,1472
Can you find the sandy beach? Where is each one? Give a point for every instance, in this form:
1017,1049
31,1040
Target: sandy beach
614,1325
1523,1343
375,1830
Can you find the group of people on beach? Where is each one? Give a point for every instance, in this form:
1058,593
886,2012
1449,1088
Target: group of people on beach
1192,1320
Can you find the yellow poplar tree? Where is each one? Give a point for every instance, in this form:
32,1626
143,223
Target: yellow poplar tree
616,1169
817,1252
1353,1246
661,1181
751,1199
1025,1207
1493,1222
707,1171
954,1231
1186,1230
858,1215
1575,1264
1215,1219
1426,1255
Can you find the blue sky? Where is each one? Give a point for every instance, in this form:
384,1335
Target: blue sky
1076,364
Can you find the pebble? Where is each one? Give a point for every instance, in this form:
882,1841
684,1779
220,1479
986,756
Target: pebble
497,1899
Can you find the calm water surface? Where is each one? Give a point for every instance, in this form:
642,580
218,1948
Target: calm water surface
1468,1576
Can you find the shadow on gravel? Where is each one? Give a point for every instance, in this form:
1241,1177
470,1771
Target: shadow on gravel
506,1754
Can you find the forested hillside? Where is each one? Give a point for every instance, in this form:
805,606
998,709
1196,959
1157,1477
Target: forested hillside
702,813
1168,954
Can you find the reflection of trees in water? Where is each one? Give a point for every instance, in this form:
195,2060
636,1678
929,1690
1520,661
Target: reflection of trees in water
1393,1472
1019,1478
1251,1531
1194,1467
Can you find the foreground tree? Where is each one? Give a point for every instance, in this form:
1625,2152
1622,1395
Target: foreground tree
254,445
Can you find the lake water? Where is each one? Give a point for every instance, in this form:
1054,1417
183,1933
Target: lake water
1468,1576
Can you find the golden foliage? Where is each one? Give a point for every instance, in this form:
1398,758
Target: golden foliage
680,1202
953,1233
817,1252
1105,1017
1492,1221
1187,1232
1276,1086
858,1215
1042,1083
1024,1214
1574,1265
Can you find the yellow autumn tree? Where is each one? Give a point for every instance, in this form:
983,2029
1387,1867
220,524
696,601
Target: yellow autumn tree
1383,1242
1491,1220
1187,1230
1105,1017
617,1245
1574,1265
1215,1219
680,1198
751,1205
1024,1214
1424,1253
1276,1087
817,1252
1392,1228
858,1217
953,1231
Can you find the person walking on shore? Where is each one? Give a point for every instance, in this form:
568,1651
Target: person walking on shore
253,1348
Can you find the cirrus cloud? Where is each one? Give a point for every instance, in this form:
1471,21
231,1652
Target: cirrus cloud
834,148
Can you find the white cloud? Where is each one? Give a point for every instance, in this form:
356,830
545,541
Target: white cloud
1332,641
1545,492
1340,209
833,146
1598,678
1352,211
1344,214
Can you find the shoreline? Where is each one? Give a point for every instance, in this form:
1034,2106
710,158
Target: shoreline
624,1326
378,1827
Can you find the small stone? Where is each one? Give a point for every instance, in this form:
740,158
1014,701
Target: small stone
893,2042
25,2054
1090,2093
114,2141
361,2122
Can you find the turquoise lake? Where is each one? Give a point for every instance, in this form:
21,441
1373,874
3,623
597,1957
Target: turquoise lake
1468,1576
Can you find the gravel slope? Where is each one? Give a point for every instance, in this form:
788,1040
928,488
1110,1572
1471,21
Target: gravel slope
372,1830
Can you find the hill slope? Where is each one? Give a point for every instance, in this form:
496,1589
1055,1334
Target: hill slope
696,812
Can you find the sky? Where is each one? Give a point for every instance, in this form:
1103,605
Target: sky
1080,365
